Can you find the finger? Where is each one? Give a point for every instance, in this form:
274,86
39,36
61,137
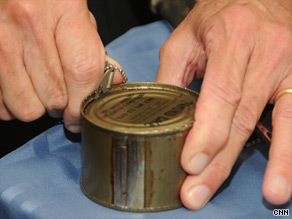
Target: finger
255,94
197,190
219,98
4,112
118,78
19,95
277,185
181,58
17,90
82,56
44,68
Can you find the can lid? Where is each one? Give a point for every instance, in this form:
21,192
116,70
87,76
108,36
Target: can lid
142,109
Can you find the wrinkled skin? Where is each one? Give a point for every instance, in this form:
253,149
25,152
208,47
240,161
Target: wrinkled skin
51,58
243,48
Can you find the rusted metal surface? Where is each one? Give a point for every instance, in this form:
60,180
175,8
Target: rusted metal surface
132,138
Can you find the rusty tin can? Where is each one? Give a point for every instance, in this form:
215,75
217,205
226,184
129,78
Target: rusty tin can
132,138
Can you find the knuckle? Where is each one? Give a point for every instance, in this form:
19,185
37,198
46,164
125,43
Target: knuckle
72,115
232,21
226,90
236,12
85,67
168,49
27,107
26,13
25,9
57,101
245,120
221,170
57,96
30,113
217,138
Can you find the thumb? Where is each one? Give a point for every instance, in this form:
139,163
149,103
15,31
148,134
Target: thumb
182,58
82,56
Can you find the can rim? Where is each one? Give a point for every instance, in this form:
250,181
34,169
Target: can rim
142,86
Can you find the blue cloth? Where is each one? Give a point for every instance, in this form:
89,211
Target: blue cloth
41,178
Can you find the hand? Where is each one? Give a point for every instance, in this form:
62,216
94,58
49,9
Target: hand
243,48
51,58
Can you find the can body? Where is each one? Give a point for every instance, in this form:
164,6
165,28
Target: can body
131,164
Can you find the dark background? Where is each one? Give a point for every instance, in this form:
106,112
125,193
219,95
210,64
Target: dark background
114,17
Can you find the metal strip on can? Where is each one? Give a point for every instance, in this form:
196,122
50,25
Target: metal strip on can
132,138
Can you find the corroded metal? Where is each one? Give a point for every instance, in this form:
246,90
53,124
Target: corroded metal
132,138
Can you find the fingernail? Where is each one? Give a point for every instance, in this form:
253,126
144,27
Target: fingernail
198,163
279,185
74,128
199,196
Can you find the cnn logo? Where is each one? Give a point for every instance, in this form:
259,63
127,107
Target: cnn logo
281,212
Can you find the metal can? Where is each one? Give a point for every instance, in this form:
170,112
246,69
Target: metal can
132,138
